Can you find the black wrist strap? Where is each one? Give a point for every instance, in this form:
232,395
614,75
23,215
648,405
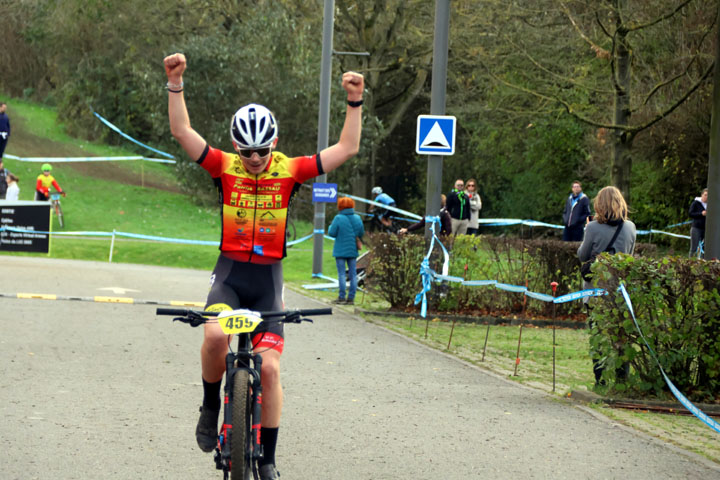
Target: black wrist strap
355,104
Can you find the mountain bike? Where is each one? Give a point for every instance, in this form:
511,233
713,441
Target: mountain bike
57,207
238,448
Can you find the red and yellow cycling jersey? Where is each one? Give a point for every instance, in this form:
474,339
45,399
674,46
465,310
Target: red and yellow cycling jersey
254,207
44,182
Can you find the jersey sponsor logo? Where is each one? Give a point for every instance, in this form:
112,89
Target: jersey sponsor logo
258,249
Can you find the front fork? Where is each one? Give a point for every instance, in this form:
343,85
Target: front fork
244,360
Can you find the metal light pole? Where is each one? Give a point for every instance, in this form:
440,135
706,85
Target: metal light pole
323,128
712,227
437,105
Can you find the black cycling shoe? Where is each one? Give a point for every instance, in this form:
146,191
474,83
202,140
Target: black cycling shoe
206,432
269,472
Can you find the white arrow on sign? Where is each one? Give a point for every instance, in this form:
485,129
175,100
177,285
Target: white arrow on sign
326,192
119,290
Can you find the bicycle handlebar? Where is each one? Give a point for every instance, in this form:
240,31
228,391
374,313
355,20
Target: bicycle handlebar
196,318
184,312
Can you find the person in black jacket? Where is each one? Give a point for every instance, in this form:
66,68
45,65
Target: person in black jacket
4,128
577,211
445,221
698,211
458,204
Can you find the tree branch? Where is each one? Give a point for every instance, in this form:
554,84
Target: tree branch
551,73
342,6
602,27
662,18
599,51
657,87
634,130
568,107
399,112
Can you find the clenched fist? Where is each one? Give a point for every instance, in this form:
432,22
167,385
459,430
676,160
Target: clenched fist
175,66
353,83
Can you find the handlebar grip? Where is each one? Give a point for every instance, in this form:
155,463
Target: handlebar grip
172,311
316,311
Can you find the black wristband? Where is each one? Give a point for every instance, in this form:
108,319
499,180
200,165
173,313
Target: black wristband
174,91
355,104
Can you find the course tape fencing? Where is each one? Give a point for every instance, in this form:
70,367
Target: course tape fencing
85,159
681,398
428,276
500,222
125,135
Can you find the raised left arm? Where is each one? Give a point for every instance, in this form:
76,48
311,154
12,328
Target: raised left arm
349,143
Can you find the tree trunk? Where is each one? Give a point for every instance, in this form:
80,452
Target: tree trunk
622,139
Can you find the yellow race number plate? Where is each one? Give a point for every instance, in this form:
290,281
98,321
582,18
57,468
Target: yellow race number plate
239,321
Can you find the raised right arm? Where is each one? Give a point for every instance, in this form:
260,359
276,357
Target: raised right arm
189,139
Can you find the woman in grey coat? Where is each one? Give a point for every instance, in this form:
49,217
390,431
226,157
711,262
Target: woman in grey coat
611,214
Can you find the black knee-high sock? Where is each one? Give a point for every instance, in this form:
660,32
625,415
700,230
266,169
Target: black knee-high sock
268,439
211,395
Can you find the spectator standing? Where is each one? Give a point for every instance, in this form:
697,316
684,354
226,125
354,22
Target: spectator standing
459,208
475,206
611,232
445,221
4,173
4,128
577,211
347,230
13,191
698,212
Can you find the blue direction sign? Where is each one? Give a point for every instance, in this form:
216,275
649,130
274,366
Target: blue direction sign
436,135
324,192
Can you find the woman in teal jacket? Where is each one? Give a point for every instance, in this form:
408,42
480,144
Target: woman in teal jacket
347,229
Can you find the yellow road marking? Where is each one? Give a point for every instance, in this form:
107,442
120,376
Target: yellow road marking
41,296
114,299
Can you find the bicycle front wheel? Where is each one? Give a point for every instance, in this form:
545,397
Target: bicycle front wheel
58,210
240,453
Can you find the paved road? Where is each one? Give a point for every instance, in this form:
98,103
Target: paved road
93,390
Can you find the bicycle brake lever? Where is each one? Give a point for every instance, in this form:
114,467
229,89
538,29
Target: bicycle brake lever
193,319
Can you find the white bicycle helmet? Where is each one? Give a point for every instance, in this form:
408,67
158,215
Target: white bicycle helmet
377,190
253,126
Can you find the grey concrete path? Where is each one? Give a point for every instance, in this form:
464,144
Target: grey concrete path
93,390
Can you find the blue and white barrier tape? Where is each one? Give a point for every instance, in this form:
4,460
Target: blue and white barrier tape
426,272
381,205
114,233
84,159
125,135
136,236
681,398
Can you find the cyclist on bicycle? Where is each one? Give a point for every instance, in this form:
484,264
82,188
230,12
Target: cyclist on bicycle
44,182
383,214
255,184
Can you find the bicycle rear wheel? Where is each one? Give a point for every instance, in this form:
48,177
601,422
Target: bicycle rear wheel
240,454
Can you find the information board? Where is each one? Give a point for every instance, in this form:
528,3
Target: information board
31,216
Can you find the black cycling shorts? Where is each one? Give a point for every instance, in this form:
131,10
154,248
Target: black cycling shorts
252,286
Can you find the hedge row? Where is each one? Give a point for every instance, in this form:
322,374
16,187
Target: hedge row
675,299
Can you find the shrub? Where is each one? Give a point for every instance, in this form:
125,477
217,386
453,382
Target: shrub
677,305
393,272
